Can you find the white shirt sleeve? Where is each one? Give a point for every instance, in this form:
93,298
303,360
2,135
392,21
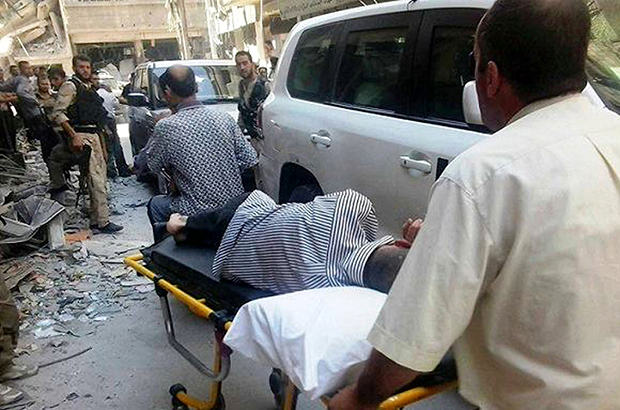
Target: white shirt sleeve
436,291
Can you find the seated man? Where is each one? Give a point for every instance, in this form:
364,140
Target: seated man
330,241
202,150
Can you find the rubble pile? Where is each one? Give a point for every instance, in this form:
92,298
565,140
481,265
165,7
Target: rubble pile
72,291
65,295
31,28
23,176
14,176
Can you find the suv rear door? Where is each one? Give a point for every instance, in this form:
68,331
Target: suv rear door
294,109
395,117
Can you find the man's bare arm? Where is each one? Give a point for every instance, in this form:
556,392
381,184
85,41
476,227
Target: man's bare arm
8,97
66,96
380,379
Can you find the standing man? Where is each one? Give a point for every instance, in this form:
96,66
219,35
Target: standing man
271,52
47,100
253,90
202,150
80,114
57,77
9,333
116,159
517,266
27,104
7,120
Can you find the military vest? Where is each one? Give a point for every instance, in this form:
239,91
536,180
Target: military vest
88,106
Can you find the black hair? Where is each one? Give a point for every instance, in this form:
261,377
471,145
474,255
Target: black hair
22,63
244,53
539,46
180,79
80,57
56,71
383,266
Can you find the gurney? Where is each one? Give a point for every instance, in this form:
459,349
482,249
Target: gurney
184,272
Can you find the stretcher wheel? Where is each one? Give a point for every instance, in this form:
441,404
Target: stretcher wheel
220,404
177,405
275,384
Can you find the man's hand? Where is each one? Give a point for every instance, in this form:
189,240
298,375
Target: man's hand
348,399
380,378
411,229
176,223
77,142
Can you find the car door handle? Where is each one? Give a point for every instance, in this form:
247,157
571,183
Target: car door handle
320,139
418,164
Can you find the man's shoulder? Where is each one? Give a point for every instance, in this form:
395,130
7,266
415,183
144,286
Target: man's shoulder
518,146
166,123
205,115
67,87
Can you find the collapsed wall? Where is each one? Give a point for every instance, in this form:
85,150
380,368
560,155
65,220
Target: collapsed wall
33,31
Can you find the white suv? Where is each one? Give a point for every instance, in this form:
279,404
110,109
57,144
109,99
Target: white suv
372,99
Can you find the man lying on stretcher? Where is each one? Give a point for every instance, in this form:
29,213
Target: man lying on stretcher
330,241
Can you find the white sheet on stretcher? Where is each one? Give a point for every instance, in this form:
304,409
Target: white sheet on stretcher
317,337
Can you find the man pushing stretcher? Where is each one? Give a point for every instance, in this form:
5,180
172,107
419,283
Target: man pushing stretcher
331,241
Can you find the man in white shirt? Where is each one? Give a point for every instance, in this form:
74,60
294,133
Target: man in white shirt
518,263
116,159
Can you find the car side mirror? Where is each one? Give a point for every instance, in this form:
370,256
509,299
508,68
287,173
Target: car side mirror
471,109
137,100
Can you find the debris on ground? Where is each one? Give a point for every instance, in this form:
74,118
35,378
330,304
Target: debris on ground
65,294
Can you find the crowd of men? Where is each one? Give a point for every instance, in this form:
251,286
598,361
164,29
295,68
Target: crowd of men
515,268
74,122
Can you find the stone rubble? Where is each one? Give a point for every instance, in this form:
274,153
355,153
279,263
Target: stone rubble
71,292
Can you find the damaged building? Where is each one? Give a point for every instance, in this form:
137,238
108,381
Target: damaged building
120,32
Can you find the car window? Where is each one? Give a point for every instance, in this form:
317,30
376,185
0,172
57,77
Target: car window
370,68
309,67
450,70
215,84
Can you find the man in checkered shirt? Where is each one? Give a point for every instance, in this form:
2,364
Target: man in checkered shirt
203,151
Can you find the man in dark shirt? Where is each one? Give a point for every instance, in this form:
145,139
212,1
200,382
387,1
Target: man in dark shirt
27,104
253,90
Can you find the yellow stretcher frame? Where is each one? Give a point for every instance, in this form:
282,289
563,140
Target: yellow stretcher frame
221,357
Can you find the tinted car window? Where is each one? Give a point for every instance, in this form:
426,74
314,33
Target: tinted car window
450,70
370,68
308,71
215,84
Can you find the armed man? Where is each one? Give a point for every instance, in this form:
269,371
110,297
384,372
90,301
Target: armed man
79,112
